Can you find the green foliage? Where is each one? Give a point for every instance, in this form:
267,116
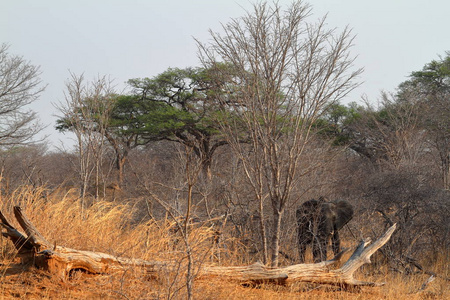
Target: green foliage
149,120
335,120
432,79
430,88
63,124
183,98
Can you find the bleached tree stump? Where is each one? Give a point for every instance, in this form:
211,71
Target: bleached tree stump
61,261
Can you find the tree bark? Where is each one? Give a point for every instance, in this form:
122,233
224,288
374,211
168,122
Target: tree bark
61,261
275,242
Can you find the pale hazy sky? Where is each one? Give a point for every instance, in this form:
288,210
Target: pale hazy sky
141,38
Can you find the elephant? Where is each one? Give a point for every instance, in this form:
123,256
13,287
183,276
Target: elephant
317,222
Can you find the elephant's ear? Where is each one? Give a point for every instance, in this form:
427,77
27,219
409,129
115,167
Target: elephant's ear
344,213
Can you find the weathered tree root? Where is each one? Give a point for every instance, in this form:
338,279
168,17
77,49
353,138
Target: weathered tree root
61,261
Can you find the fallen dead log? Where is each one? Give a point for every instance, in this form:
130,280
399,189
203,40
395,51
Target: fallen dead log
318,272
61,261
34,248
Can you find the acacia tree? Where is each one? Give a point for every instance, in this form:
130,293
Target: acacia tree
177,105
190,95
286,70
20,85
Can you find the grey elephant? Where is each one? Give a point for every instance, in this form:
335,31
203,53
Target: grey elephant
317,222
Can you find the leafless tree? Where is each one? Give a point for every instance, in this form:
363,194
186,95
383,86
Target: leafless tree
286,70
86,112
20,85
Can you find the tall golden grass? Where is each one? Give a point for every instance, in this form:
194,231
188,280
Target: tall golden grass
109,227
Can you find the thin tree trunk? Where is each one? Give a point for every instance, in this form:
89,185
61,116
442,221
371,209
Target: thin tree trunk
121,160
277,216
446,172
262,228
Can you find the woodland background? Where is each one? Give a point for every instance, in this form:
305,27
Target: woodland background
179,147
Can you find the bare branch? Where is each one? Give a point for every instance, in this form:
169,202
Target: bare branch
20,85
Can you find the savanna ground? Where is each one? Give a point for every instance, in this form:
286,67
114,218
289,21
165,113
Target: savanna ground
109,227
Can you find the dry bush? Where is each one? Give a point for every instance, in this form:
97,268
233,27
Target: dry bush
421,212
108,227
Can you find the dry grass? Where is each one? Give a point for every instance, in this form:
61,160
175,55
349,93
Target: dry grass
108,227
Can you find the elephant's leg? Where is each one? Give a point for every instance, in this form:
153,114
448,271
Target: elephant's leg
304,239
302,251
336,242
